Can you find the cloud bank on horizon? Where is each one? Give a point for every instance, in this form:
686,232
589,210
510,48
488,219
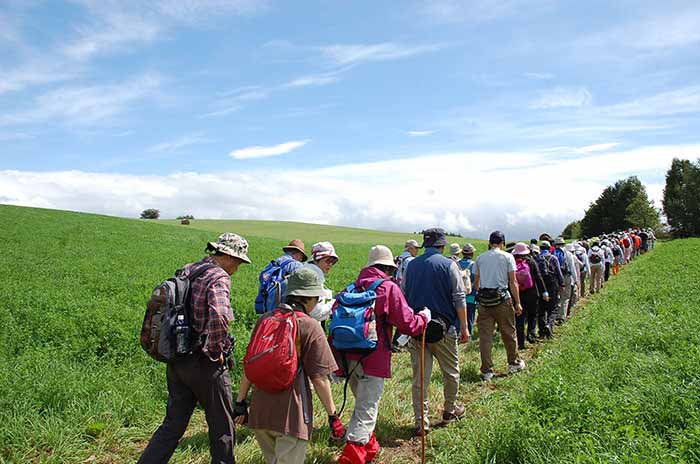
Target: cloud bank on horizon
469,115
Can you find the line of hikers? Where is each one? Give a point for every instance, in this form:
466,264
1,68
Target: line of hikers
523,290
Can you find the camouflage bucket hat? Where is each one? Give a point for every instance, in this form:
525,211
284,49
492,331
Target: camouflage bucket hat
232,245
304,282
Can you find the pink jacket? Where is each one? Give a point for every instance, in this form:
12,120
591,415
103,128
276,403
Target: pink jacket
391,311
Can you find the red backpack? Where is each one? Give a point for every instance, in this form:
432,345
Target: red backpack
523,275
271,362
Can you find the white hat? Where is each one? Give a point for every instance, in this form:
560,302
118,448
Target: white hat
455,249
322,250
411,244
379,254
570,247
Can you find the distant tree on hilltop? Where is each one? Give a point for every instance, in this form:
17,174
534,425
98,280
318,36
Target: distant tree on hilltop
682,197
150,213
186,216
572,230
619,207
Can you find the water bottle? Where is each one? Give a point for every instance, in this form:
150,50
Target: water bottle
403,340
182,332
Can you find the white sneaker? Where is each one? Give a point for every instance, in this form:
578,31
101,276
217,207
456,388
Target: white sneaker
517,367
487,376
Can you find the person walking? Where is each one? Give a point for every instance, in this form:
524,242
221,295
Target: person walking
410,251
433,281
323,258
283,421
203,376
367,373
582,256
566,265
530,286
499,302
596,257
455,249
467,263
270,288
554,280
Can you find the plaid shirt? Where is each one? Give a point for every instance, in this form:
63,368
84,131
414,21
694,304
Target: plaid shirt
211,308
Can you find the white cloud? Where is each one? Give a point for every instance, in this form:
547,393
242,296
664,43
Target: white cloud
672,102
420,133
473,11
15,136
178,143
315,79
542,76
562,97
264,152
350,54
36,72
86,105
597,147
362,194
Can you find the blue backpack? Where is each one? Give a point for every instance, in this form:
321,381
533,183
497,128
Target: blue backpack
273,283
353,326
561,256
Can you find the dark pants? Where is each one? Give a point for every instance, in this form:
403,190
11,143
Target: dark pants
528,300
582,290
550,308
191,380
607,271
471,315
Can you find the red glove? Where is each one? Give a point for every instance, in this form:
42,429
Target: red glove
337,427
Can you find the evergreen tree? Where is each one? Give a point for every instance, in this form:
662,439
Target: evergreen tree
681,201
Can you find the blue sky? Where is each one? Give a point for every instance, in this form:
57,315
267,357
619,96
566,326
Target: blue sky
394,115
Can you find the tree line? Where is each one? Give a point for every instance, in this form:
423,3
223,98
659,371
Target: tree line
625,205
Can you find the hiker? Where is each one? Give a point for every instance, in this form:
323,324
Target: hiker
323,258
203,376
577,266
499,303
531,286
582,256
273,276
566,264
596,257
609,259
282,421
410,251
455,249
554,280
366,373
617,256
467,263
433,281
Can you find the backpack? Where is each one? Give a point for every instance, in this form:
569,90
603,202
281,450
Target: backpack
595,258
549,273
563,264
617,251
523,275
271,362
166,332
579,255
273,283
353,325
467,280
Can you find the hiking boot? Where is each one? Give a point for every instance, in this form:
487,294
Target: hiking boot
487,376
518,366
457,414
417,432
532,339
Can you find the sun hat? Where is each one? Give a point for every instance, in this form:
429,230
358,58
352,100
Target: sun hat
536,249
380,254
434,237
521,249
570,247
545,237
559,241
455,249
231,244
296,245
545,244
411,244
497,237
322,250
304,282
468,249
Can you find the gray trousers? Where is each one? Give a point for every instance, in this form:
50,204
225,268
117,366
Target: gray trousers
367,390
192,380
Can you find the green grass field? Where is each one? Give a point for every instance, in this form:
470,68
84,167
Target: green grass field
621,383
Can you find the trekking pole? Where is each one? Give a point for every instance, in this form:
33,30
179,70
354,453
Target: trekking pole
422,396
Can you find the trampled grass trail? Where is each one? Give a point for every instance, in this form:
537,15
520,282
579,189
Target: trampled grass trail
620,384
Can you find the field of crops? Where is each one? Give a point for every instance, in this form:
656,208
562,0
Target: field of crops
621,385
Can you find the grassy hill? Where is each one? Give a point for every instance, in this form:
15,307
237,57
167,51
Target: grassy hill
619,385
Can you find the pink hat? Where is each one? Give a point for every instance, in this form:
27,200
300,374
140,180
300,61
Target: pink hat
521,249
322,250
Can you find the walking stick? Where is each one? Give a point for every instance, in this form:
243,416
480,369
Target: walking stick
422,396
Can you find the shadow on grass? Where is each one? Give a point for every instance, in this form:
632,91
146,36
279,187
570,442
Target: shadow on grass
200,441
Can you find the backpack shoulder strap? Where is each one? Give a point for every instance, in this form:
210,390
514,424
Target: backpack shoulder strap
375,285
199,271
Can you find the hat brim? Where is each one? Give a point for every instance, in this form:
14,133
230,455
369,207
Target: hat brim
383,262
293,248
310,293
228,251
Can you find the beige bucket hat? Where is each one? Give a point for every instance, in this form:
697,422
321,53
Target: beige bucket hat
380,254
